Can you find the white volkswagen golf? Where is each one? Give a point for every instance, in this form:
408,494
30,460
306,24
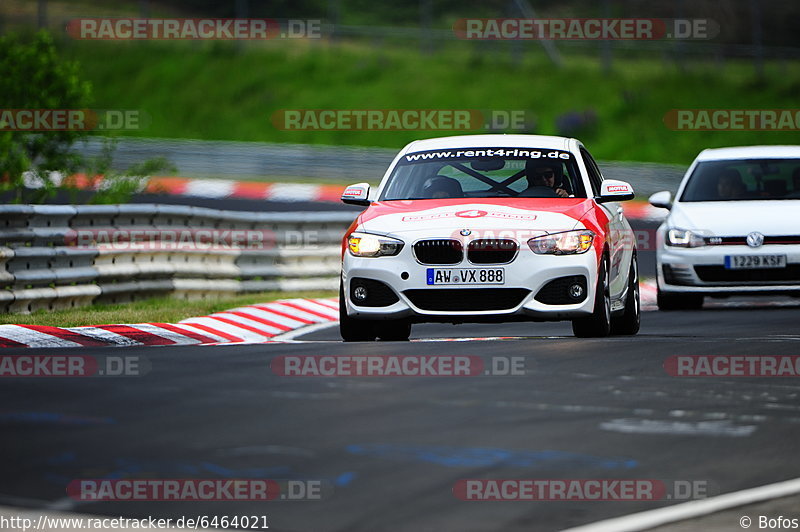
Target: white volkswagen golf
733,227
489,228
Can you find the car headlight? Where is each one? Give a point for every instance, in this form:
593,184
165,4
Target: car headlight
366,245
682,238
564,243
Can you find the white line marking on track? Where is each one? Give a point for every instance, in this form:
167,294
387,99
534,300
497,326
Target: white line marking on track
689,510
678,428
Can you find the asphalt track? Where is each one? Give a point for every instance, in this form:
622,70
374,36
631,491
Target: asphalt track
389,450
393,447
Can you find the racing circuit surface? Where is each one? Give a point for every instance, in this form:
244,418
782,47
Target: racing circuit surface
392,448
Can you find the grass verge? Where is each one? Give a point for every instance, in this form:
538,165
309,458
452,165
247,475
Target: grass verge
217,91
156,310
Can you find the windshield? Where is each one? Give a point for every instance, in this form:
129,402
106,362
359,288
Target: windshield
485,173
746,179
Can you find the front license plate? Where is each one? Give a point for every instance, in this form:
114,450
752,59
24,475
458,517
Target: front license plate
754,262
464,276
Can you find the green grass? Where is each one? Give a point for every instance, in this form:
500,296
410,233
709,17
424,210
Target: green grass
220,91
157,310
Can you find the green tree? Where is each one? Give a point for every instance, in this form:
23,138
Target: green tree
32,76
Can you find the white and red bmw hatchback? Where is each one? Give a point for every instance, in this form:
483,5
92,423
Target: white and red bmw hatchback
489,228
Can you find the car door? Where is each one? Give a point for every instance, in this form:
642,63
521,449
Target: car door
620,248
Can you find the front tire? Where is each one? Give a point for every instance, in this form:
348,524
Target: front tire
393,330
353,329
598,325
630,321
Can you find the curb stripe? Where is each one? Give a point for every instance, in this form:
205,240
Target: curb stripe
5,342
311,305
60,335
280,316
295,306
34,338
251,325
252,317
243,326
186,332
103,335
154,329
277,191
332,303
277,317
137,334
215,332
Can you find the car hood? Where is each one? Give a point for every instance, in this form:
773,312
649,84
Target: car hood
737,218
443,218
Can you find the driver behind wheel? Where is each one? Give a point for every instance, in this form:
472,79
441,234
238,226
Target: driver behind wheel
439,187
546,174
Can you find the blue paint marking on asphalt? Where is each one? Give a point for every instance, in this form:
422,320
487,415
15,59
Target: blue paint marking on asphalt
482,456
344,479
130,468
52,418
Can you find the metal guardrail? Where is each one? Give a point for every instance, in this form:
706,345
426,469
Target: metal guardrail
60,256
334,164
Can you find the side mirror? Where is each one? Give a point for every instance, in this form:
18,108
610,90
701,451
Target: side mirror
357,194
613,190
661,199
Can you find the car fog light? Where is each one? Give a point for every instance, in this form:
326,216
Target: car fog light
576,291
360,293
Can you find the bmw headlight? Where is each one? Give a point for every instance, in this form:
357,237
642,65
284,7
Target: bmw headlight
367,245
564,243
682,238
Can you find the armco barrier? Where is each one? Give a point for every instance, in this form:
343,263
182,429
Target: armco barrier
55,257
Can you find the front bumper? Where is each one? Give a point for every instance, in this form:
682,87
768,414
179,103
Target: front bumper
528,271
702,270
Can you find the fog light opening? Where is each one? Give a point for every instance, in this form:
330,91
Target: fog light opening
576,291
360,293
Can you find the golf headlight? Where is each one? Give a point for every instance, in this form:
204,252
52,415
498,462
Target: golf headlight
565,243
366,245
682,238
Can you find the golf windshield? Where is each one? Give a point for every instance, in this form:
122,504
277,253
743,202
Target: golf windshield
485,173
744,179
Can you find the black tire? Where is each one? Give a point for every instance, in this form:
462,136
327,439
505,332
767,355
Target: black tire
630,320
353,329
598,324
668,301
393,330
